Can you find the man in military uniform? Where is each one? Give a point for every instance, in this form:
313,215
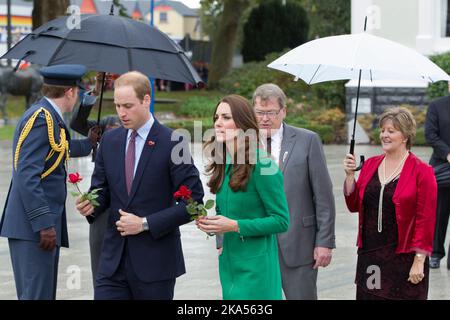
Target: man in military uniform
34,218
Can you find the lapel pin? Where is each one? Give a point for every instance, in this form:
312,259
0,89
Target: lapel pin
285,156
151,143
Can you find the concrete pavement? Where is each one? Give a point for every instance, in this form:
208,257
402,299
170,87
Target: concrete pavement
201,280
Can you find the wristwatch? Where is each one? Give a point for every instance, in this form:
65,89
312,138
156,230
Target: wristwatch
144,224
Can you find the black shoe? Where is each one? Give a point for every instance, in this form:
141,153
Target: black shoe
435,262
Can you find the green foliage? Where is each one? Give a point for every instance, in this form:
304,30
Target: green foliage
329,124
7,133
122,10
211,13
245,80
205,124
91,196
270,26
327,18
439,89
198,107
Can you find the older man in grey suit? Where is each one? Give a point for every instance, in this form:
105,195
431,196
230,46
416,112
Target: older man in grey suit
308,243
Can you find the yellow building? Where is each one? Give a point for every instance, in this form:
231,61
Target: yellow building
21,23
177,20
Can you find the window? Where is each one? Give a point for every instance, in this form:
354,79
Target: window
163,17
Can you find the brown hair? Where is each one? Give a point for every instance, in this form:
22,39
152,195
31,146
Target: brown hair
403,120
137,80
245,119
54,92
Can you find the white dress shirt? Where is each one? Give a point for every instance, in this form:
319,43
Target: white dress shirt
277,138
57,109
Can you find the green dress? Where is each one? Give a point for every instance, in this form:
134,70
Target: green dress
248,266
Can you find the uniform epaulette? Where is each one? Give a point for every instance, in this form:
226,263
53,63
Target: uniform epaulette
61,148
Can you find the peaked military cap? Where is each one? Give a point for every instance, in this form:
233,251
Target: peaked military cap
66,75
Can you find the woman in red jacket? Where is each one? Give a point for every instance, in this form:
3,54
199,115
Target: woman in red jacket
395,196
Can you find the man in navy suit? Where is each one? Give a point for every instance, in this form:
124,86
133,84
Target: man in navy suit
138,171
34,217
437,135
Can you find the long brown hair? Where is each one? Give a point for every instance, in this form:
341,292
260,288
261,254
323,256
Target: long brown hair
245,119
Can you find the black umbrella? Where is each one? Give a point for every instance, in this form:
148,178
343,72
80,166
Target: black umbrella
106,43
442,173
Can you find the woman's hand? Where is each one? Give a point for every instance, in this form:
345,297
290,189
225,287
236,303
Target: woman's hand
416,273
217,224
349,165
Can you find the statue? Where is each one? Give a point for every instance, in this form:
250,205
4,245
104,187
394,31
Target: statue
27,82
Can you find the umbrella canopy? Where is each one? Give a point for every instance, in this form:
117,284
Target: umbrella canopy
357,56
107,43
342,57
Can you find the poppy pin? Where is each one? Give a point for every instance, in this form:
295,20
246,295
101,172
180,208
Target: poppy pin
151,143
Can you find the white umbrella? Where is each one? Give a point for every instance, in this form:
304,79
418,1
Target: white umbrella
341,57
357,56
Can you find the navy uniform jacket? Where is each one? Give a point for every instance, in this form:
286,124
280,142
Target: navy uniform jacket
156,254
34,204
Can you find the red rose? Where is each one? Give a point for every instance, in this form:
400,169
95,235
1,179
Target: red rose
183,192
75,177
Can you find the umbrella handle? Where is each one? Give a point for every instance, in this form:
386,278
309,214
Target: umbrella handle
361,158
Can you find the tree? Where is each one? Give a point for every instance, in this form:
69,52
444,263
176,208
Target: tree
327,18
272,27
225,37
44,11
440,88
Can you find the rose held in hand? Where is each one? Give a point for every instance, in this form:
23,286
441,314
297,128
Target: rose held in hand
193,207
74,178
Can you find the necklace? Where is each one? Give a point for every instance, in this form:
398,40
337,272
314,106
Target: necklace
383,184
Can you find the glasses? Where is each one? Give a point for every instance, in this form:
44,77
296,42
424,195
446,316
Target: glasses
269,114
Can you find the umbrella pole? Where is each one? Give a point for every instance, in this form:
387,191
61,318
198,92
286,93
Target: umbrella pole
352,141
94,149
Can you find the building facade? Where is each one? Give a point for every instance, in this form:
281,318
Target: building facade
422,25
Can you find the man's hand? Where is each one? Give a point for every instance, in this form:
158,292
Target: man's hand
98,82
322,256
448,157
85,207
94,135
48,239
129,224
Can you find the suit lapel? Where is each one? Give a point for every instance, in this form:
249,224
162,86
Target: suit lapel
287,144
147,151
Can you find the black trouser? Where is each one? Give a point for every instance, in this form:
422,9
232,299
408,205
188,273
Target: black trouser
124,284
442,215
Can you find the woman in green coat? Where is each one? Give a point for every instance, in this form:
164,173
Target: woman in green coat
251,204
